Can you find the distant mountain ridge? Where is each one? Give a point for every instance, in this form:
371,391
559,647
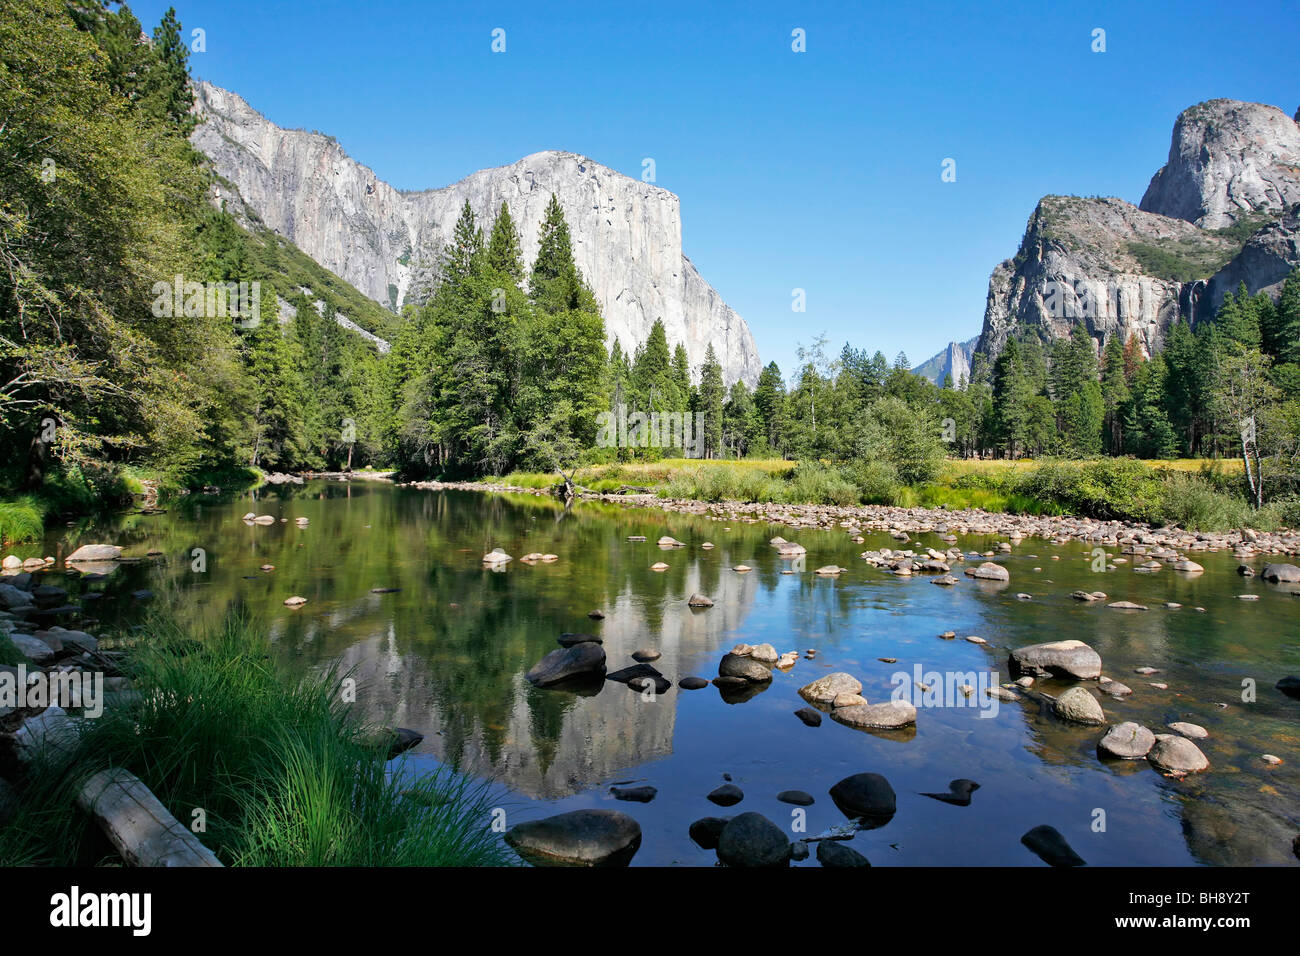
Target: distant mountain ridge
954,361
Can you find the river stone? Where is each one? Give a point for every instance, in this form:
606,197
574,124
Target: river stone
645,655
764,654
812,718
865,796
692,683
848,700
752,840
566,663
577,838
890,715
746,668
959,792
634,794
1190,731
834,854
1051,847
1079,706
799,850
989,571
699,600
94,552
33,648
824,690
796,797
1057,659
1289,685
1281,573
727,795
295,601
706,830
570,639
1190,567
1127,741
1175,754
402,739
11,598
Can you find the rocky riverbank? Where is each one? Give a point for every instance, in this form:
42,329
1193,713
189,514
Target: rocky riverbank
857,520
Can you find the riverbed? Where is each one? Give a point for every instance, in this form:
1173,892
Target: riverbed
397,593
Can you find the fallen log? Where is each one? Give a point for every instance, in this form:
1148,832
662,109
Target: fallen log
143,830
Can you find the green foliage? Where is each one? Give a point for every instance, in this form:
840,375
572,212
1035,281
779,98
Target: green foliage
21,519
287,774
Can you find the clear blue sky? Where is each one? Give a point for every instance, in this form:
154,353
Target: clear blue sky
817,170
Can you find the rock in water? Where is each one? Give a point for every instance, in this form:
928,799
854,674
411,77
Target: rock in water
567,663
1127,741
1281,574
699,600
1290,686
1057,659
94,552
833,853
959,792
634,794
727,795
1051,847
569,639
402,739
577,838
797,798
1178,755
890,715
745,668
1080,707
824,690
867,797
989,571
705,831
809,716
752,840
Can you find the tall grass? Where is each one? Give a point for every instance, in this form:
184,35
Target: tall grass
285,773
21,519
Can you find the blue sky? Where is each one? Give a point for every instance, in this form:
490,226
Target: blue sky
818,170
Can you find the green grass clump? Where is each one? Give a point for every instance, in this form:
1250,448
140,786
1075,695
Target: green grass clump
9,653
21,519
285,772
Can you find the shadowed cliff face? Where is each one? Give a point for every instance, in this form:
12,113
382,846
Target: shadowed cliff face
1129,271
627,234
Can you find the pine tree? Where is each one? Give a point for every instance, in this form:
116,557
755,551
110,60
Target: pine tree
712,399
503,252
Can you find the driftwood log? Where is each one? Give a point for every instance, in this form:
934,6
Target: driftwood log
143,830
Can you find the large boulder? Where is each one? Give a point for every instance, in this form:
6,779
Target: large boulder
1281,573
989,571
94,552
824,690
577,838
867,797
1127,741
745,668
832,853
891,715
1174,754
1078,706
1057,659
752,840
11,598
568,663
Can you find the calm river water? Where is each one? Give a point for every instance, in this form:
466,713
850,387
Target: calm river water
447,653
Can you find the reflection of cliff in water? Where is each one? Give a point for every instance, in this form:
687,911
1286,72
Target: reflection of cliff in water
549,744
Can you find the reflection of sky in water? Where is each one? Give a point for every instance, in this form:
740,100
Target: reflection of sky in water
447,653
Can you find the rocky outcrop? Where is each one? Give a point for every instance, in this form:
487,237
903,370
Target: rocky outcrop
954,361
1089,260
1131,271
627,234
1228,160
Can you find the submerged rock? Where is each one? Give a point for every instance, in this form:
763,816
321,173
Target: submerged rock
867,797
1051,847
634,794
1177,755
752,840
705,831
812,718
577,838
834,854
727,795
567,663
959,792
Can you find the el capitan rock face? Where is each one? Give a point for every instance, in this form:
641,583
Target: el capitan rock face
1228,160
627,234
